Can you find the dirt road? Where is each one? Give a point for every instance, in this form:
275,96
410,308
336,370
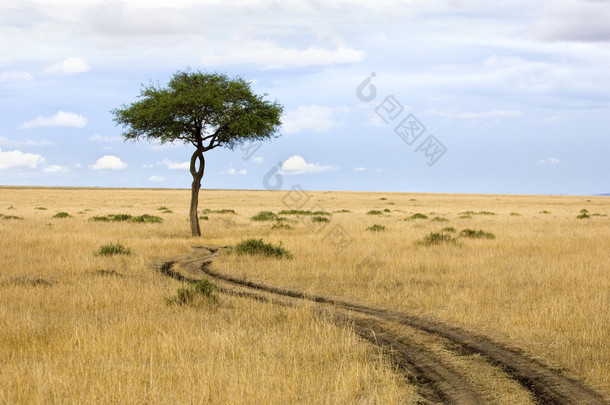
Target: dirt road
438,380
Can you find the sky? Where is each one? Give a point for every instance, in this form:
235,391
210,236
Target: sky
453,96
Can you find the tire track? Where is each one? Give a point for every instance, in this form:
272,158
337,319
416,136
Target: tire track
438,382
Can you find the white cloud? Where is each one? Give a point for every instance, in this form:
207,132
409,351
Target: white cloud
360,169
156,179
100,138
55,169
257,159
552,161
269,55
29,142
69,66
455,113
150,166
314,118
297,165
109,162
575,20
551,119
176,165
233,172
59,119
16,158
15,76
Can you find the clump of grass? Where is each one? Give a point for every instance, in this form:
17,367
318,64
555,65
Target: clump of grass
165,210
470,213
387,210
465,216
265,216
189,293
9,217
62,214
376,228
480,234
220,211
584,213
113,249
515,214
486,213
440,219
320,219
146,218
303,212
344,211
258,247
374,212
416,216
40,208
383,198
437,238
545,212
204,217
280,225
449,229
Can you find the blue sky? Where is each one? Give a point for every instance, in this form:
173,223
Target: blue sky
489,97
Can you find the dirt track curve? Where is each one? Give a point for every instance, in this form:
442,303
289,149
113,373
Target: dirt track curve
437,381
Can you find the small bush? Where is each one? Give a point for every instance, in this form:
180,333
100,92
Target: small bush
320,219
436,238
374,212
465,216
40,208
148,219
204,217
480,234
342,211
440,219
515,214
220,211
62,215
113,249
383,198
265,216
187,294
165,210
151,219
416,216
120,217
387,210
9,217
544,212
449,229
376,228
258,247
303,212
280,225
100,219
486,213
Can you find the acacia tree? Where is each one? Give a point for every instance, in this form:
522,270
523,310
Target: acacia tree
206,110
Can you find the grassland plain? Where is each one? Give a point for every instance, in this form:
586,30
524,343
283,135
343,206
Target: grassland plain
76,327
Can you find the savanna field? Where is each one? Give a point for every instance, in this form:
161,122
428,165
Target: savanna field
85,318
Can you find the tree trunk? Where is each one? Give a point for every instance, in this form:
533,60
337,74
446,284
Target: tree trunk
197,173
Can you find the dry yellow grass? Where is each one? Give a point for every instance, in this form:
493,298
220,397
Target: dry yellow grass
542,286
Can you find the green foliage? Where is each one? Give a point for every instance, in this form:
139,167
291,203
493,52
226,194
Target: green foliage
165,210
437,238
265,216
204,217
220,211
584,213
449,229
9,217
113,249
376,228
545,212
258,247
40,208
188,294
387,210
344,211
416,216
515,214
320,219
440,219
196,103
149,219
303,212
480,234
374,212
383,198
62,215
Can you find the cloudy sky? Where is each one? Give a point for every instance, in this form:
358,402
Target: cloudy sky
465,96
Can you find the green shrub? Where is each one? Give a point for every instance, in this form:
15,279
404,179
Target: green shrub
204,217
416,216
113,249
152,219
62,215
436,238
376,228
258,247
148,219
480,234
9,217
544,212
320,219
374,212
220,211
303,212
265,216
440,219
344,211
280,225
187,294
383,198
449,229
164,210
40,208
515,214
